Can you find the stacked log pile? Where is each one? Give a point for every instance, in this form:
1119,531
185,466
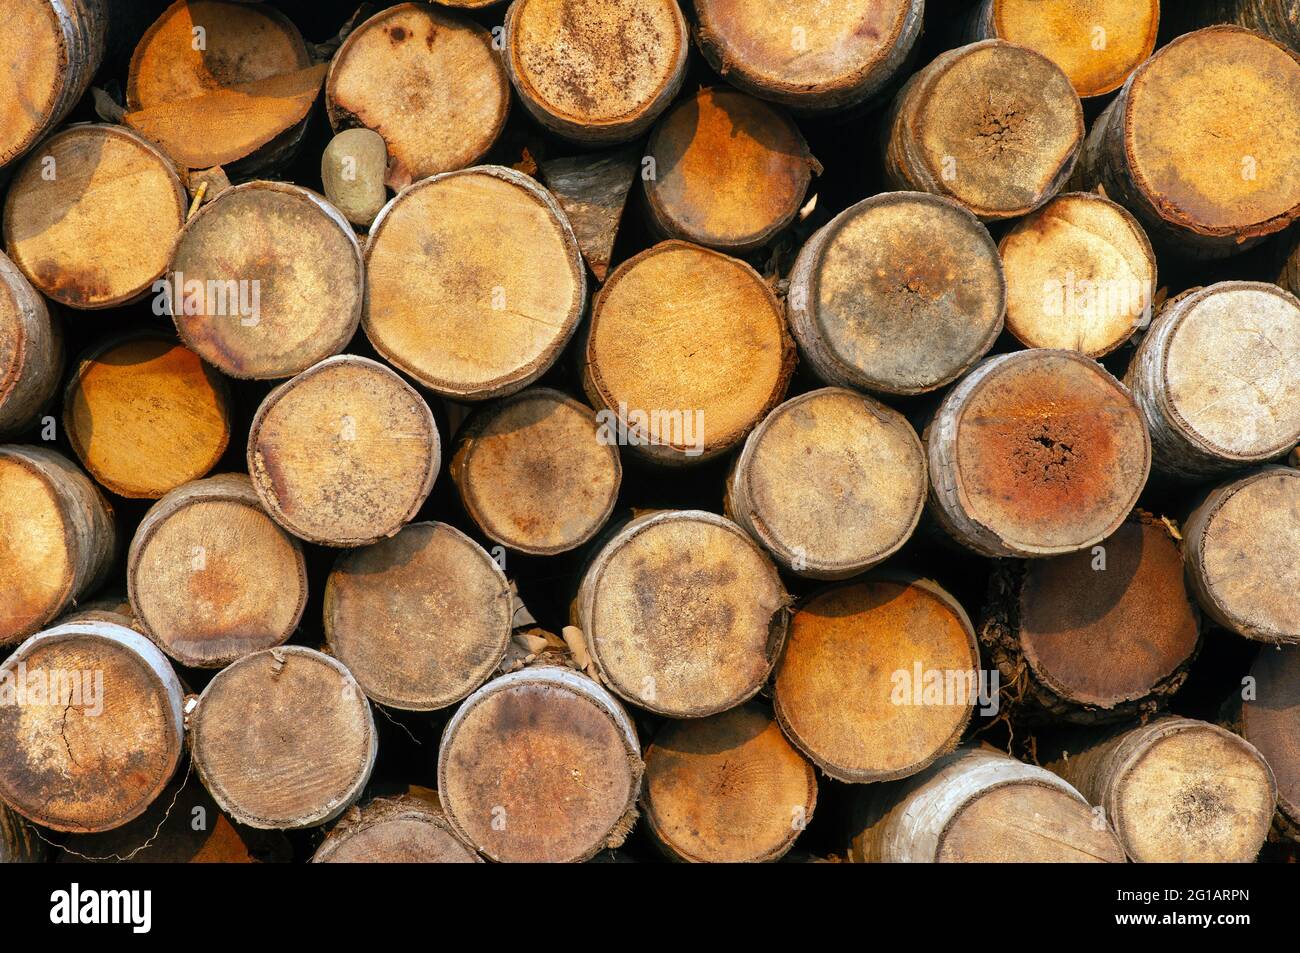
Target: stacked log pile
725,431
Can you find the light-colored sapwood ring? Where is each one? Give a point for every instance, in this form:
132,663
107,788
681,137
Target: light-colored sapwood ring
1036,453
901,293
831,483
401,830
474,282
98,753
31,351
421,619
345,453
210,575
540,765
283,738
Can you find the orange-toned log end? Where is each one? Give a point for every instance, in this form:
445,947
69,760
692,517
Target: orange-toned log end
541,765
878,678
730,171
210,575
91,215
145,415
1270,720
689,349
428,81
283,738
403,830
266,280
343,454
727,789
421,619
96,752
1037,453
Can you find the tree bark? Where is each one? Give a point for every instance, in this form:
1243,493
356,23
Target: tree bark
1270,720
593,191
31,352
401,830
18,841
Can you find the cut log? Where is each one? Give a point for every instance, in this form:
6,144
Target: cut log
344,454
687,350
501,287
58,541
1198,144
91,215
113,608
31,351
1215,379
1289,277
401,830
730,171
1098,43
993,125
145,415
1279,19
1036,453
978,805
536,473
430,82
19,843
211,577
1176,790
831,483
218,83
91,731
900,293
1270,720
1095,635
266,280
596,71
878,679
422,619
727,789
48,54
1242,549
806,54
1081,275
541,765
592,190
683,614
283,738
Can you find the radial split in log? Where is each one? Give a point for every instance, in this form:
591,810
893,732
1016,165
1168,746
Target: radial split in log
500,285
729,171
91,215
687,350
831,483
422,619
1098,43
402,830
1098,634
879,677
993,125
596,71
1176,790
1270,720
58,538
808,54
1036,453
48,54
266,280
92,727
344,454
1216,380
540,765
592,190
1202,144
1242,549
211,577
145,415
217,83
1081,275
283,738
900,293
978,805
537,472
727,789
428,81
31,351
683,613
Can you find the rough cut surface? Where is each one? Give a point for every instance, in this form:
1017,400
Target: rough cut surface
404,830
